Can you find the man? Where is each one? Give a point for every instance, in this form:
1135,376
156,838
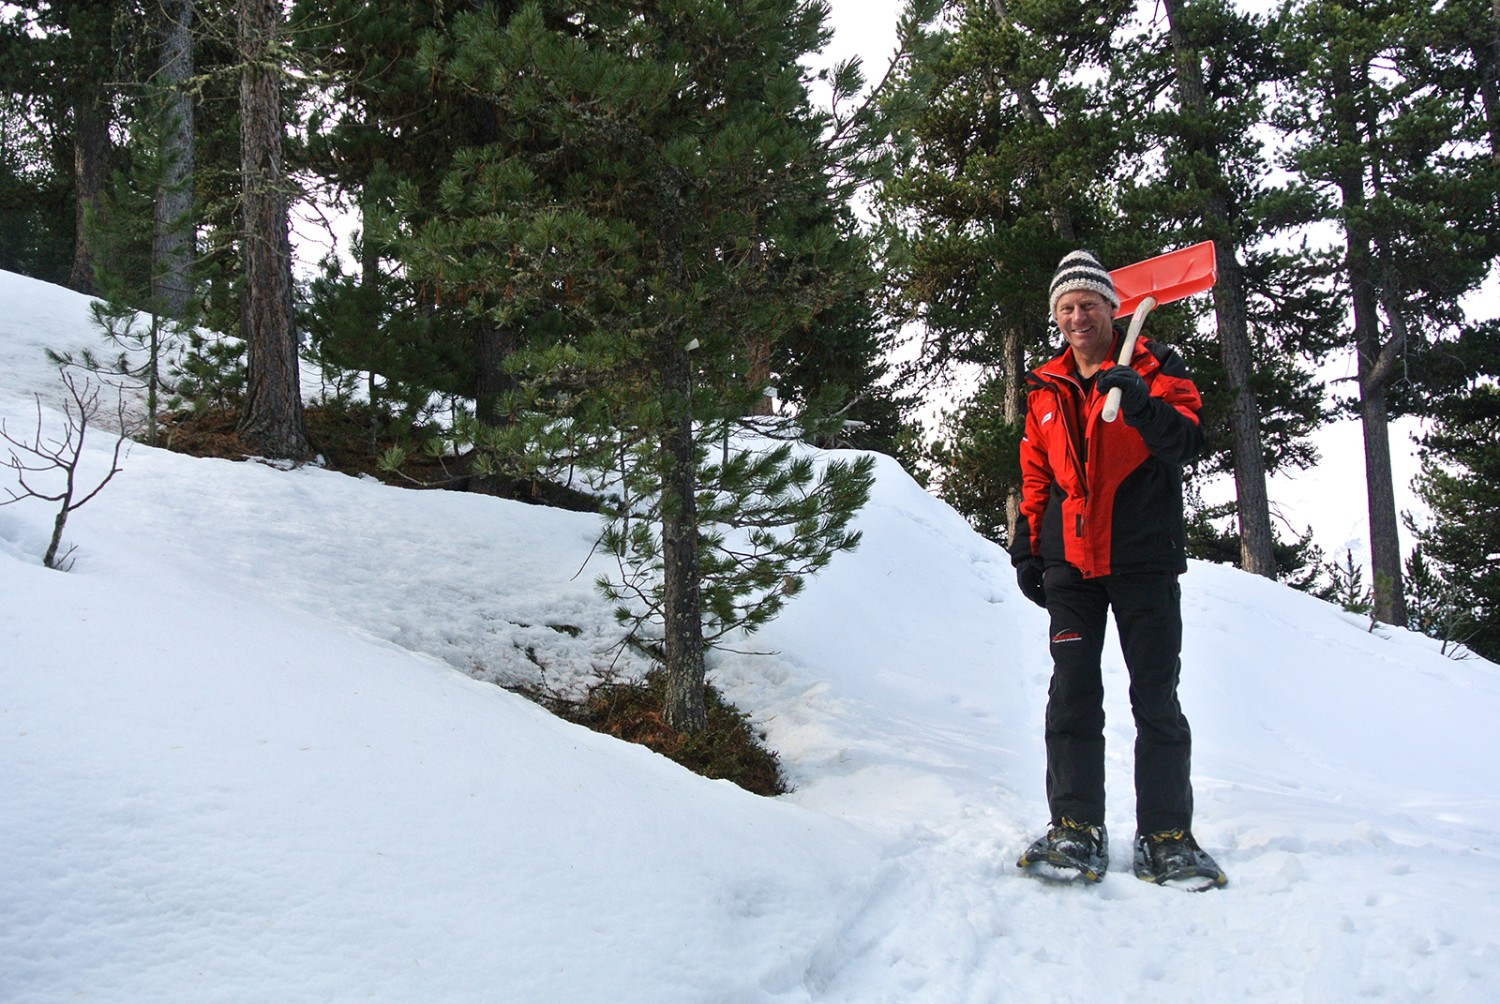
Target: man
1101,528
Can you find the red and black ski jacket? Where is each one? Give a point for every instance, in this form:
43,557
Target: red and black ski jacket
1106,497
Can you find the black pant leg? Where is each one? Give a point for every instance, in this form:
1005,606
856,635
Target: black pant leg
1148,616
1078,609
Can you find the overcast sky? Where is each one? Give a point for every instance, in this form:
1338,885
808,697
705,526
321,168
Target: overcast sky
864,28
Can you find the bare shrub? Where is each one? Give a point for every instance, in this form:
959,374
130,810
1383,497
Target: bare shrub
48,469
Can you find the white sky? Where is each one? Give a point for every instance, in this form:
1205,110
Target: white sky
865,28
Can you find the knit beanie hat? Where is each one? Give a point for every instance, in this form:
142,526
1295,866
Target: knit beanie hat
1081,270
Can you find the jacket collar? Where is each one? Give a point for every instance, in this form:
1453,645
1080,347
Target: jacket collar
1062,366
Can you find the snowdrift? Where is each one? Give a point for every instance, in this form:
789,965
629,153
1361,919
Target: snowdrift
248,752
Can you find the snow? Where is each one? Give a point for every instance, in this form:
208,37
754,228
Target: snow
249,752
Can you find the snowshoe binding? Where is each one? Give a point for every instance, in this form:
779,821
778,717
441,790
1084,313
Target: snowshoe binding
1173,858
1069,852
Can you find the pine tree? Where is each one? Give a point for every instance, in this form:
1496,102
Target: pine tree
1434,607
106,91
1191,92
68,60
1473,28
143,231
272,419
1007,166
838,363
36,209
113,236
132,308
1380,143
398,127
1345,585
1460,485
650,212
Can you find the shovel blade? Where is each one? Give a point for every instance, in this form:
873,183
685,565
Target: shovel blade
1166,277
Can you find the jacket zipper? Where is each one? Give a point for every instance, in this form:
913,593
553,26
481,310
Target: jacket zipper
1070,403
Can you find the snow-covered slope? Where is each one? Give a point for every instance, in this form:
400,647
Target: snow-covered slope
244,757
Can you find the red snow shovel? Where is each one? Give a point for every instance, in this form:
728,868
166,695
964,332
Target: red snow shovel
1146,284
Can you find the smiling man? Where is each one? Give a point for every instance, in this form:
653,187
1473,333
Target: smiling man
1101,530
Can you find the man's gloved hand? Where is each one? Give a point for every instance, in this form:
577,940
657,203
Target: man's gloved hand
1029,578
1135,396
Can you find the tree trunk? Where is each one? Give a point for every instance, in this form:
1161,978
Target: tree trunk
1257,553
1376,362
1385,542
758,374
1257,550
90,165
273,419
1487,56
682,603
1013,341
494,346
171,274
87,93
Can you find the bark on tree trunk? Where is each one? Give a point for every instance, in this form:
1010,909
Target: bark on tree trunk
495,346
682,592
1257,551
171,274
90,160
273,419
88,97
1385,543
1385,546
758,374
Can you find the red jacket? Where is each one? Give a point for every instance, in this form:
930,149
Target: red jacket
1106,497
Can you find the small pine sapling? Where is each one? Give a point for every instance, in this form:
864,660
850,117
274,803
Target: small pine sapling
1346,587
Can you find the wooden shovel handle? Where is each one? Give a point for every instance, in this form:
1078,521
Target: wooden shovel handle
1127,352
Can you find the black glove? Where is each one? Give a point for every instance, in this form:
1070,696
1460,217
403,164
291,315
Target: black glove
1135,396
1029,578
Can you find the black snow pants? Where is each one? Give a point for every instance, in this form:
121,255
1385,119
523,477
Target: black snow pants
1148,616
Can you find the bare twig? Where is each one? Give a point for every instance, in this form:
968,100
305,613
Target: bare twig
41,456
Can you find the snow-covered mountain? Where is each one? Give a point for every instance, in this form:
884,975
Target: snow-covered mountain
244,757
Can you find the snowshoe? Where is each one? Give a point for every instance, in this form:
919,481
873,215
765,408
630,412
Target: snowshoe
1070,851
1173,858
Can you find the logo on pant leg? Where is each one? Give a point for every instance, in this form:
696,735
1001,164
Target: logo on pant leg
1065,636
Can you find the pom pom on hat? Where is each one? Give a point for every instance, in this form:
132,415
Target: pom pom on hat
1081,270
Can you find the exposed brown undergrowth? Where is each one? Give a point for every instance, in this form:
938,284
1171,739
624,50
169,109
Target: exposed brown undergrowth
729,748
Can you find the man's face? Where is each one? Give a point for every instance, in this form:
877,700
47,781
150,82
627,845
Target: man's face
1085,320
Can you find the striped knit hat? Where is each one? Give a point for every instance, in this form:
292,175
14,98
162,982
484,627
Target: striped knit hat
1081,270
